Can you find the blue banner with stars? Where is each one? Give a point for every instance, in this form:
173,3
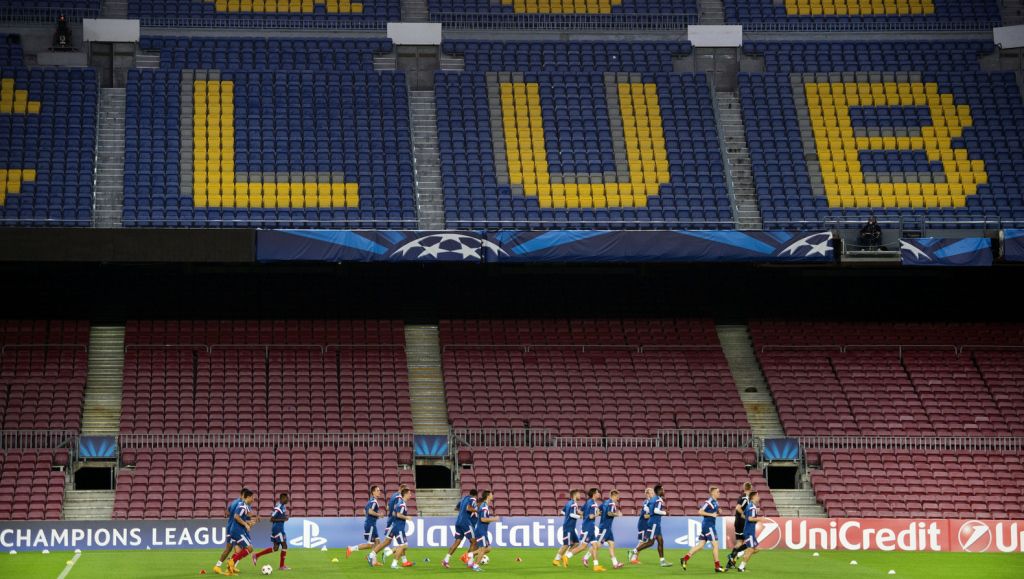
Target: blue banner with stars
563,246
940,252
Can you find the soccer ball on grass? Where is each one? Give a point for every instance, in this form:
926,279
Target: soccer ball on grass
266,570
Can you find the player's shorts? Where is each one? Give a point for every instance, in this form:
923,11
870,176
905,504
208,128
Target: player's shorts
605,536
708,534
241,540
738,536
570,537
279,539
370,533
464,533
654,531
588,536
750,540
642,535
398,537
482,540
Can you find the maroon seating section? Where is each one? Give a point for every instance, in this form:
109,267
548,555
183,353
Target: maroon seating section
30,485
276,376
603,373
918,484
198,483
42,374
875,388
536,481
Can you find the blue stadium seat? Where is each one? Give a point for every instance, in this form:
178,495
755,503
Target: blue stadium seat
246,12
855,13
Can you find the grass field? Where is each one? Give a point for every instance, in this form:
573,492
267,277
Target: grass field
536,563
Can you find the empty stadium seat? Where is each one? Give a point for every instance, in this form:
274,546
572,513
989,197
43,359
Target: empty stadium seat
839,131
248,13
243,133
42,374
47,143
567,135
548,361
440,8
536,481
199,483
852,14
31,484
294,376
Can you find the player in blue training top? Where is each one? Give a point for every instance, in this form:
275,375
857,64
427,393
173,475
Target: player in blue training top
708,532
571,545
278,538
656,504
752,514
588,530
228,547
609,510
643,525
396,532
465,524
373,512
242,521
485,516
384,544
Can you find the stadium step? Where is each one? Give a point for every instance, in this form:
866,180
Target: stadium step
437,502
101,411
712,12
426,383
415,11
452,63
746,371
797,503
109,172
734,144
385,61
114,9
87,505
147,60
426,159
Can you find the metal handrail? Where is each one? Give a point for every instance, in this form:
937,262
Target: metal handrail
941,443
84,347
204,347
881,25
11,439
270,22
131,441
574,22
46,14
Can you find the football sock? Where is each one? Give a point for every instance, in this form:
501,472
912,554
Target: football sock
686,558
218,563
266,551
447,558
240,555
615,561
568,554
283,553
743,565
354,547
595,562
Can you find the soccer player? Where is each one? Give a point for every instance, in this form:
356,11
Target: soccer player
738,523
228,547
609,510
397,532
570,539
708,533
485,517
238,533
752,514
656,504
391,521
588,531
465,523
643,525
373,512
278,538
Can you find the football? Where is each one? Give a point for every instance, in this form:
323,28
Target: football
266,570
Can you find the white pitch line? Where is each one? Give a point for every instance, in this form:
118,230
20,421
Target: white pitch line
67,568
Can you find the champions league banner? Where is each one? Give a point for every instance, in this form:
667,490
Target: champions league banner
543,246
935,251
972,536
1013,245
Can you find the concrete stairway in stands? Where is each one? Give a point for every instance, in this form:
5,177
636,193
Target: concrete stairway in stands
101,412
426,384
87,505
798,503
415,11
426,159
109,188
712,12
437,502
746,371
114,9
734,140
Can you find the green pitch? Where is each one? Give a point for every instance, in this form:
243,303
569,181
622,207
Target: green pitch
535,563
